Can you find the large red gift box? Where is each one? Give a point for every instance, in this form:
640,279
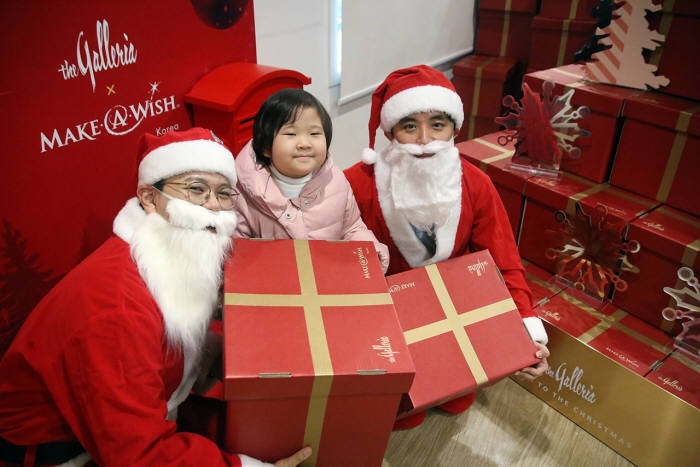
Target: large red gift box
555,41
462,328
669,240
659,150
481,82
493,158
680,376
313,352
504,28
567,9
547,200
605,103
679,22
611,331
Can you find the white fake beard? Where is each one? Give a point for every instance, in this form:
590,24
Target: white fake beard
424,190
182,266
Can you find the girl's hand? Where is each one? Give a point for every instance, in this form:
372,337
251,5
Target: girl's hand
295,459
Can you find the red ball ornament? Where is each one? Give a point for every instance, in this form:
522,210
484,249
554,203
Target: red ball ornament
219,14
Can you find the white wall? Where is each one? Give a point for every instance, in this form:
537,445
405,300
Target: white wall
295,34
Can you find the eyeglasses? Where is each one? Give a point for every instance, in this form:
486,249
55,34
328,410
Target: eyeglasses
198,193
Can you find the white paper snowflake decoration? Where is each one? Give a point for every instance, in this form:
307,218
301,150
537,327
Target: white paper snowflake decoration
687,309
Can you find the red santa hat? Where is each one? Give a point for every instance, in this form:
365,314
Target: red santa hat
409,90
177,152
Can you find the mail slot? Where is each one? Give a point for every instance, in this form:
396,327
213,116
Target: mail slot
227,98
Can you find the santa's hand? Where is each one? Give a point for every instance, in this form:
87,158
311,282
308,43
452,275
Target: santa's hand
295,459
532,372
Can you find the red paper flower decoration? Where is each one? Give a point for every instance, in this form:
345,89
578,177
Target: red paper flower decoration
543,128
592,253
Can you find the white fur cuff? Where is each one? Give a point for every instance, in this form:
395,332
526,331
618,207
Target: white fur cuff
536,330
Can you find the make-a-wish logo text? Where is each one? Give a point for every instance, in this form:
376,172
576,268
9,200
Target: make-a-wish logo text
117,120
362,259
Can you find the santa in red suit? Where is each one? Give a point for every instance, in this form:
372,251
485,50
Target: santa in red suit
426,203
98,369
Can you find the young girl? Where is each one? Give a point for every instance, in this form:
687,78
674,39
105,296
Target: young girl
288,183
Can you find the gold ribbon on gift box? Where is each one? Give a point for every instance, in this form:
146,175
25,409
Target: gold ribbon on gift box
455,323
504,153
506,28
596,188
477,95
311,301
573,9
677,148
561,55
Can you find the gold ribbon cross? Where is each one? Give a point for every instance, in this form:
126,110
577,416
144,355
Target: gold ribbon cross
455,323
311,301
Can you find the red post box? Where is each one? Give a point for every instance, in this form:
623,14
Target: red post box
227,98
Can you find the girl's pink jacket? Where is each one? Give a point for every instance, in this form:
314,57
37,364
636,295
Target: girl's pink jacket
325,209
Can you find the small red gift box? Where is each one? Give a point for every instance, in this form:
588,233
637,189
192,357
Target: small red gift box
612,332
567,9
555,41
504,28
679,375
547,201
486,153
481,82
669,240
678,21
462,328
605,103
658,152
313,352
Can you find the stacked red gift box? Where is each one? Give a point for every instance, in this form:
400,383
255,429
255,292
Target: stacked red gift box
561,29
637,175
502,53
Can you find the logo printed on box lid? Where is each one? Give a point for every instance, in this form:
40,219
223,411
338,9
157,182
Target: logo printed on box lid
479,267
385,349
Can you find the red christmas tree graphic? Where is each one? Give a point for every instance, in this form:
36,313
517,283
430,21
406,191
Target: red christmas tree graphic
22,283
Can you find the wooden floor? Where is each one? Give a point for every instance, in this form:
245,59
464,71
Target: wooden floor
506,426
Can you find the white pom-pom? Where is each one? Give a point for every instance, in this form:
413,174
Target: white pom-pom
369,156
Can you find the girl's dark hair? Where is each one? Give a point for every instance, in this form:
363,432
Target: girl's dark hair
279,109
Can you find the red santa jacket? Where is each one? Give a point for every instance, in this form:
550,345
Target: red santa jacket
483,224
91,364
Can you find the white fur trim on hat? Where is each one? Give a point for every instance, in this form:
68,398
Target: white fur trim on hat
369,156
187,156
421,99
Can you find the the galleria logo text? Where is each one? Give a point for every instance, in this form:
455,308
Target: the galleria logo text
385,350
571,381
589,414
102,56
479,268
